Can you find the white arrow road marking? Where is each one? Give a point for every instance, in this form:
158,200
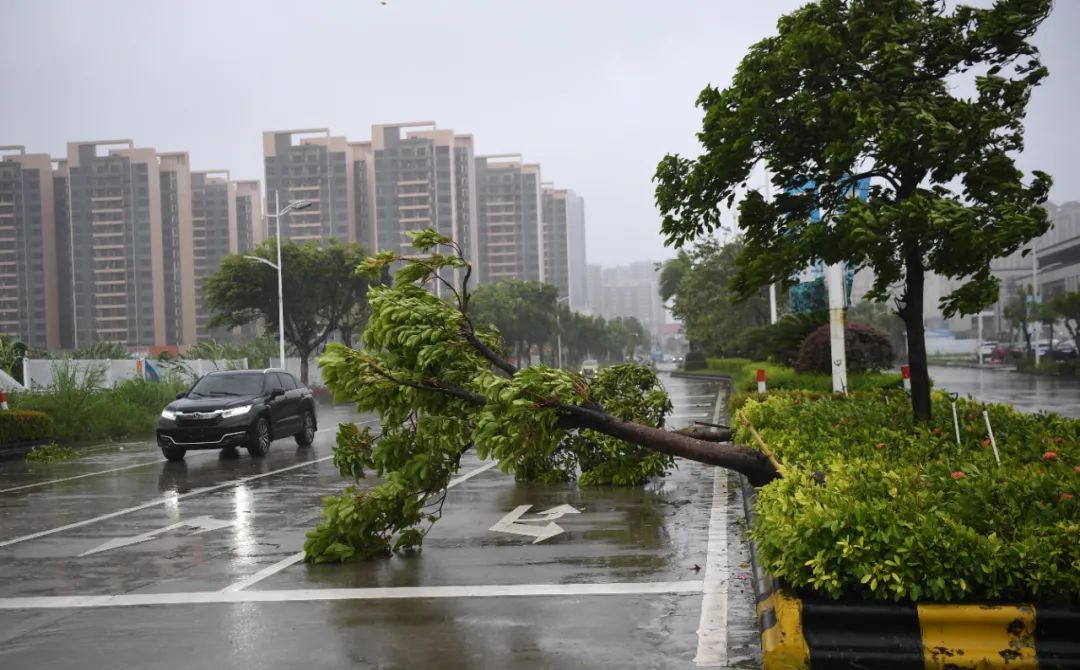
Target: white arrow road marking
510,524
202,524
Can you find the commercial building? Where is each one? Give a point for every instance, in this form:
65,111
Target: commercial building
509,219
29,305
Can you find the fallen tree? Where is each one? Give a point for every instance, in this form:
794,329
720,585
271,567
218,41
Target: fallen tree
442,384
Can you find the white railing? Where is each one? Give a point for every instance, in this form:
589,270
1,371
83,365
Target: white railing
39,373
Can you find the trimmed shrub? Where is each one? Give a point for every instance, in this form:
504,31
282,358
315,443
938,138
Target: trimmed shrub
695,360
23,425
867,348
905,513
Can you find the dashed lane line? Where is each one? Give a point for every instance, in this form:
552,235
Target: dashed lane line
381,593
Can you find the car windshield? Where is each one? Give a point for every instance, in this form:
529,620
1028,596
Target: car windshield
227,385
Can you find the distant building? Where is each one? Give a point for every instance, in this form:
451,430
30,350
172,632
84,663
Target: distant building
250,227
563,250
509,218
423,178
178,248
310,164
29,301
630,291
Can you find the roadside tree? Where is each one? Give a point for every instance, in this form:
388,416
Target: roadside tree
924,98
320,287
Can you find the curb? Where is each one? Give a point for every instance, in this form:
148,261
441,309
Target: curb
817,633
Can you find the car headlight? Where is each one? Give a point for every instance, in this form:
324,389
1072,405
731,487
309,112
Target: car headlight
168,414
235,411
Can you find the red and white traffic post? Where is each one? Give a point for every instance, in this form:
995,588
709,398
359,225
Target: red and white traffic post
905,371
761,380
3,400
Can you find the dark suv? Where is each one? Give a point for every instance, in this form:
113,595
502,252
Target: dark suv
234,408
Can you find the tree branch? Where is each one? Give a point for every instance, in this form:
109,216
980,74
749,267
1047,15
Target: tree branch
485,351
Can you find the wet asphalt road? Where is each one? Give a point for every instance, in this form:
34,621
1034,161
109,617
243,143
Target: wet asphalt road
1030,393
121,560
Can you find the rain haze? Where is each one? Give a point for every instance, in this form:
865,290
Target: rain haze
596,92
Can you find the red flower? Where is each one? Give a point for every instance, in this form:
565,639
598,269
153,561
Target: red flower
1065,496
1050,456
936,431
958,474
879,445
986,442
1077,469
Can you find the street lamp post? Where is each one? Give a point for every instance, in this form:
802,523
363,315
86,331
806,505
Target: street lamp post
292,206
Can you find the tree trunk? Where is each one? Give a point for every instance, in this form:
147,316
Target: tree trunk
304,367
753,464
912,314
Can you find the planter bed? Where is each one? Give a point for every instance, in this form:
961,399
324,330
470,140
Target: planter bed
863,616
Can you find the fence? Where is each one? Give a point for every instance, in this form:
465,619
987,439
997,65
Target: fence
39,373
292,364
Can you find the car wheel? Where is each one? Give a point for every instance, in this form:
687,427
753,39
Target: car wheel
307,434
259,439
174,454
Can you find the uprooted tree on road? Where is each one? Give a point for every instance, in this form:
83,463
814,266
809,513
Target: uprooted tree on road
443,385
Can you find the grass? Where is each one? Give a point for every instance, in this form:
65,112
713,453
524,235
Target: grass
85,413
783,378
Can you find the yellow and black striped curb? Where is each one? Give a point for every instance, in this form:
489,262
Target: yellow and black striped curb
818,634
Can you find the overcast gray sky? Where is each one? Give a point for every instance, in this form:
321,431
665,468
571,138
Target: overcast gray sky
597,91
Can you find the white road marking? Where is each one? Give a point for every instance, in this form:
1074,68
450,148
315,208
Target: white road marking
160,501
712,629
272,570
124,467
169,499
470,474
385,593
268,571
202,524
510,524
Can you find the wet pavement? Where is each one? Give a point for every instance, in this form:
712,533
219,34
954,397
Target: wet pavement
1029,393
124,560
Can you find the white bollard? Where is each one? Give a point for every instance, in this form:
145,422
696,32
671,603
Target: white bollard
955,420
905,371
3,400
993,442
761,380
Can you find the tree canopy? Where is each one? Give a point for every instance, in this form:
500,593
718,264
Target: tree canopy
320,287
442,383
924,99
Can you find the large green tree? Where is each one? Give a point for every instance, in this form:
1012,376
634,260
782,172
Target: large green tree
705,302
926,99
522,311
320,288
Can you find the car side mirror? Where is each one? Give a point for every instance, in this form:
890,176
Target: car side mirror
276,392
182,394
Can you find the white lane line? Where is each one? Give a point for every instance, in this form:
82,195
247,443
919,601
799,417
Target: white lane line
160,501
272,570
385,593
105,472
470,474
712,629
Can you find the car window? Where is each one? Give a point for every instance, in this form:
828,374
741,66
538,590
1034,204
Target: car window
227,385
295,381
285,380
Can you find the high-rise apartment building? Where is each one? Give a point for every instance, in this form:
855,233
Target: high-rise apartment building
250,228
118,281
29,307
177,247
310,164
564,243
62,220
422,178
509,219
215,233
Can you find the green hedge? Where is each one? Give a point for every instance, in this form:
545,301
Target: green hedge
905,512
783,378
19,425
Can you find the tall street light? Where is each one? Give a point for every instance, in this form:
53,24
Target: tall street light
293,205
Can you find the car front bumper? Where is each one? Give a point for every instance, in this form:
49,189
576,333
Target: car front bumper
216,436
